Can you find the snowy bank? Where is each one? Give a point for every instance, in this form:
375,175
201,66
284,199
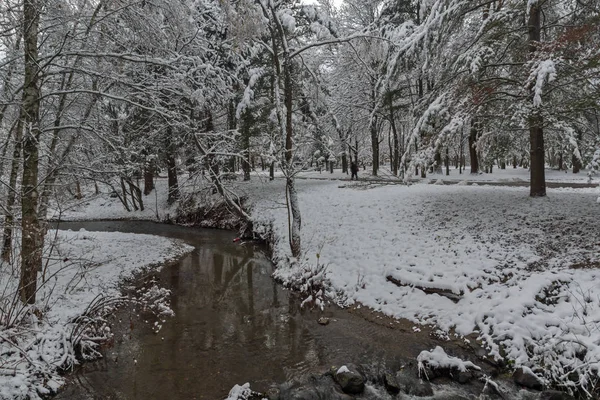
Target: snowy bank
522,272
79,283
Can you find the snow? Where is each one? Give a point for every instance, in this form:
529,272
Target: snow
437,358
342,369
544,72
82,268
519,266
239,392
287,20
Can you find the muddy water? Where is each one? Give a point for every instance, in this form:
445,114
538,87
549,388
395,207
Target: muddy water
232,324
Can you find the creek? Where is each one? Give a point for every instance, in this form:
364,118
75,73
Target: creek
234,324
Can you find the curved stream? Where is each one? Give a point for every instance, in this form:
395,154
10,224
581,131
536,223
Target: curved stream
233,324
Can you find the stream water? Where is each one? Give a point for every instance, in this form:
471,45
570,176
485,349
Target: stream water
233,324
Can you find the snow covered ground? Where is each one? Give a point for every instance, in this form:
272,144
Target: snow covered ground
524,271
520,273
82,267
498,175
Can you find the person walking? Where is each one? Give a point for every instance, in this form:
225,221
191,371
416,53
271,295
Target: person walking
354,170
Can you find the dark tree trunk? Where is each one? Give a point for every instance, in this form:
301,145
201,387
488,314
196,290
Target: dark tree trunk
272,171
438,162
374,145
148,177
447,163
172,179
396,153
78,194
472,149
536,121
344,163
576,164
560,161
32,236
391,150
537,171
124,195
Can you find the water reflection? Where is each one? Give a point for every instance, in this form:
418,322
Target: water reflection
233,324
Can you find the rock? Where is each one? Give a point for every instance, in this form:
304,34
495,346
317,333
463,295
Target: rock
350,380
555,395
273,394
323,321
391,383
525,378
413,385
463,376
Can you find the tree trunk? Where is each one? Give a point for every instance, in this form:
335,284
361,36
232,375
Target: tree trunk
472,149
295,239
246,151
536,121
32,235
391,150
344,162
12,192
447,163
136,195
123,198
374,145
536,171
78,194
272,171
438,162
173,189
149,177
396,145
560,161
576,164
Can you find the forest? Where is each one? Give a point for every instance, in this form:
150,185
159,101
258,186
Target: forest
111,96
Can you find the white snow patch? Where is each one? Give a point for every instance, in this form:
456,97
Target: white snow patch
437,358
342,369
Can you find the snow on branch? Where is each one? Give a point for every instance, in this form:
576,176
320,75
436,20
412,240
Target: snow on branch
255,75
544,72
